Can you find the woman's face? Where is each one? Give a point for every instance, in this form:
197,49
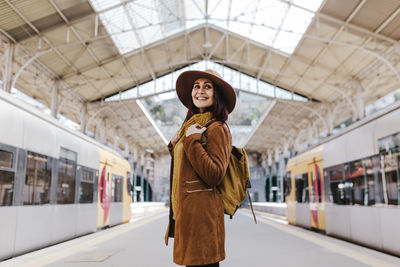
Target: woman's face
203,94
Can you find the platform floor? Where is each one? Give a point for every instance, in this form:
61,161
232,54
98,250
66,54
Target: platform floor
269,243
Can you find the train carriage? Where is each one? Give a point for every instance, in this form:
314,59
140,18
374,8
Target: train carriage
350,184
49,181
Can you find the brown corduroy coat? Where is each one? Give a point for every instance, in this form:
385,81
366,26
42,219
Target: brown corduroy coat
199,230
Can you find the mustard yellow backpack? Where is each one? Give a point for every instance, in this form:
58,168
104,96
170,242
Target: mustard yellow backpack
236,182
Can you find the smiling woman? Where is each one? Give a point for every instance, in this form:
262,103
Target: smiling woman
196,213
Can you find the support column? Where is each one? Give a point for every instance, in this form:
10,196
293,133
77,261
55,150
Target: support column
135,164
54,99
84,117
284,174
329,120
310,134
148,185
278,177
102,130
134,193
116,139
358,100
270,176
142,176
264,165
285,161
278,182
8,70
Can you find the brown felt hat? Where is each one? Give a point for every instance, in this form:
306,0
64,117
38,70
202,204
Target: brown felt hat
185,81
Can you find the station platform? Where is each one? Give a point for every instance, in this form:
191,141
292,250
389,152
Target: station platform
271,242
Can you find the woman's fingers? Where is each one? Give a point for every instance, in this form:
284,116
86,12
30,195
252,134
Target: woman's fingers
195,128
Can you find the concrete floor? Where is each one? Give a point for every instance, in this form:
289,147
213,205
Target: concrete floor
269,243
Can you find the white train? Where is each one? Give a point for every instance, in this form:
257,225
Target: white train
349,186
50,187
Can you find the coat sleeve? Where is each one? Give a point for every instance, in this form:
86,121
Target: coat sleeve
171,149
210,163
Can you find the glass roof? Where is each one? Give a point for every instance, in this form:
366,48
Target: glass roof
165,85
162,104
276,23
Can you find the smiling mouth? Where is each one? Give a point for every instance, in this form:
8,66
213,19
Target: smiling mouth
201,98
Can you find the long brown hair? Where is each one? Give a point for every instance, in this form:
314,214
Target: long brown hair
218,109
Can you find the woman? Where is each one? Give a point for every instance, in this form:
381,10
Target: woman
196,218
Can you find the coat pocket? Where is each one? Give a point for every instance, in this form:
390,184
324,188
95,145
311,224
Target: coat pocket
195,186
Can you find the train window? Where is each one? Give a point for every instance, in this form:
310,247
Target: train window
117,188
391,172
66,181
86,187
66,176
389,143
6,187
374,187
38,179
337,185
6,159
129,183
301,184
68,154
356,181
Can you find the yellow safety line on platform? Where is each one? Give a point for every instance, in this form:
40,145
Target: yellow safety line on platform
346,251
52,257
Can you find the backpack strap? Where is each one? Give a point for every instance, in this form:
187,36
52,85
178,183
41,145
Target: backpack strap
209,123
251,206
214,120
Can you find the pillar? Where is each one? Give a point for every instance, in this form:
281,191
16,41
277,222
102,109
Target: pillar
134,169
134,193
278,176
8,70
358,100
54,98
148,185
102,130
270,176
142,176
84,117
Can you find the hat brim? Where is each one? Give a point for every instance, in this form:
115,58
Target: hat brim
184,86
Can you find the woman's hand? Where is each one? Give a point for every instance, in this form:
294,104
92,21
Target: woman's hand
174,138
195,128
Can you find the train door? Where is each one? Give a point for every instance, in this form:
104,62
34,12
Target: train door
104,197
316,194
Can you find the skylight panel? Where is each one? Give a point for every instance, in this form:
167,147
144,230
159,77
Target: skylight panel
270,22
170,13
144,13
287,41
100,5
297,20
237,79
119,29
312,5
194,12
263,35
271,13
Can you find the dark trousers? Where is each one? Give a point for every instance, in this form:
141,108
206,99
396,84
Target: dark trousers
208,265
